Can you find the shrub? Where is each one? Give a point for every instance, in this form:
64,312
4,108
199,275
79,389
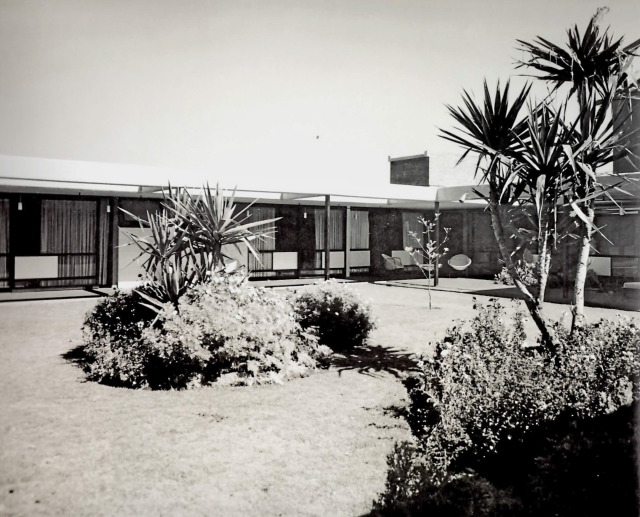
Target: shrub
505,429
115,352
573,466
229,329
413,489
484,387
597,370
527,272
224,328
341,317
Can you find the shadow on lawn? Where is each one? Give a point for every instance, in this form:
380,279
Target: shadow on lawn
367,360
374,360
77,356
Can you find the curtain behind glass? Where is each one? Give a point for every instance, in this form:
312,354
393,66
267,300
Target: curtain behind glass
359,230
103,241
336,229
69,227
262,213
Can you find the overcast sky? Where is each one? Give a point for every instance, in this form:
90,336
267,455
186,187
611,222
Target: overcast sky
259,92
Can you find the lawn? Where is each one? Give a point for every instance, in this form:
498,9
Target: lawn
314,446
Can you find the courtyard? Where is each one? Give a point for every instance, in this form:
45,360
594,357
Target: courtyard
313,446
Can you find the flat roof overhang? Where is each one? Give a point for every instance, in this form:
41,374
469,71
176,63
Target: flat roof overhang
25,175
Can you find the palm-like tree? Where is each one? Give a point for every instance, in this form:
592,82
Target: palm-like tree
517,157
545,170
595,67
492,132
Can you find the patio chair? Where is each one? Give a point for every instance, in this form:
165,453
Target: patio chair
460,262
392,263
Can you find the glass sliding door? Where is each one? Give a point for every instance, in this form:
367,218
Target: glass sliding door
412,230
359,254
68,230
336,238
264,246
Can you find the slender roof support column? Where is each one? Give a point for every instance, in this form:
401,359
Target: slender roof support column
347,243
436,272
112,252
327,248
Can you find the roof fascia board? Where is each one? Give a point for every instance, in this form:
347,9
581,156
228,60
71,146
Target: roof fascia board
150,189
293,196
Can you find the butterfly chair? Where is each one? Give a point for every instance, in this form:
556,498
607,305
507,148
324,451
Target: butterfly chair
460,262
392,263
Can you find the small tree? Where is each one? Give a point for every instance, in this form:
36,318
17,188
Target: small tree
428,251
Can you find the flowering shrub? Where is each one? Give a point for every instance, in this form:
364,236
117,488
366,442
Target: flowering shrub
488,411
485,387
232,330
221,330
341,317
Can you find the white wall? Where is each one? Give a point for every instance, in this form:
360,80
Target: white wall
128,267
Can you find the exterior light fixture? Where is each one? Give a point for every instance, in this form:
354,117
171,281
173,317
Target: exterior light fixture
20,203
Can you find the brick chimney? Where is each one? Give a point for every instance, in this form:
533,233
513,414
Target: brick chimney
410,170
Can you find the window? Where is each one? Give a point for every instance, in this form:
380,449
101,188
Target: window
265,245
137,207
359,230
411,226
336,228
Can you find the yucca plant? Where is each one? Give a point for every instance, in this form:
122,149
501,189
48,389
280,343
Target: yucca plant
491,131
545,159
211,221
166,261
594,66
544,168
186,241
587,65
498,133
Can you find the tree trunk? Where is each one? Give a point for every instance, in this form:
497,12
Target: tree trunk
546,242
581,269
544,264
583,191
532,303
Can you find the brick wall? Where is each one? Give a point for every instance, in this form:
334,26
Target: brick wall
410,171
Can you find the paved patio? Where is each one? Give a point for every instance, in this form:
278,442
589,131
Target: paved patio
618,299
613,299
